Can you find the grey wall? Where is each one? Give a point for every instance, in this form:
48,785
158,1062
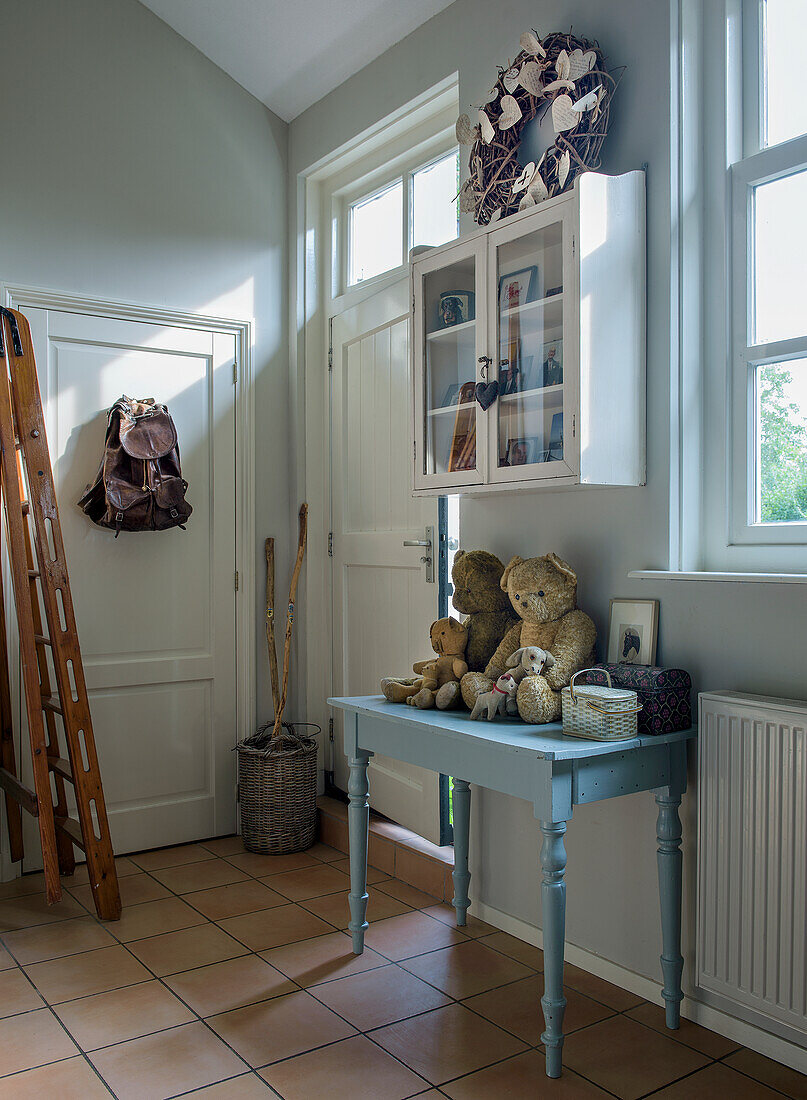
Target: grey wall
746,637
133,168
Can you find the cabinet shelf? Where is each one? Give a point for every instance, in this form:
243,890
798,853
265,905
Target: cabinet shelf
452,332
552,398
443,409
531,307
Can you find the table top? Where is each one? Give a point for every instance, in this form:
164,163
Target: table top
547,741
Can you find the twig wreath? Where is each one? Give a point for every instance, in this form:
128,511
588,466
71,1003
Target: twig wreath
562,74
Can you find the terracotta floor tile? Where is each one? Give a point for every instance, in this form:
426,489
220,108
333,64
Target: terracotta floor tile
190,947
465,969
322,959
324,852
373,873
280,1028
22,885
335,909
628,1059
717,1081
233,900
771,1073
274,927
446,1043
165,1064
224,845
32,1039
517,1008
50,941
309,882
473,927
607,993
422,871
254,864
32,909
123,865
247,1087
355,1068
122,1014
520,1077
707,1042
154,917
381,853
134,889
17,994
410,934
516,949
406,893
379,997
171,857
199,876
82,975
224,986
71,1078
6,961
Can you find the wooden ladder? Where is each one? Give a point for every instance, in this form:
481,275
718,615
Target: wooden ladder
31,515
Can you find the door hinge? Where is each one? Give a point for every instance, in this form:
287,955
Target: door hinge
235,373
330,343
574,425
237,579
330,544
415,450
330,729
574,244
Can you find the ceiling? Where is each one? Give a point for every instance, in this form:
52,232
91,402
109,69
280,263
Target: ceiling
290,53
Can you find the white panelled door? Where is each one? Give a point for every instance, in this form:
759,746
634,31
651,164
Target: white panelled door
383,604
155,610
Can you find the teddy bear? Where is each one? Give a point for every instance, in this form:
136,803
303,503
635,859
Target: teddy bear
475,577
449,638
543,592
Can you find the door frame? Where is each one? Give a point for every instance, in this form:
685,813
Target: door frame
16,296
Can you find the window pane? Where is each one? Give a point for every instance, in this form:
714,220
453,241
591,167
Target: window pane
435,211
375,233
784,112
780,259
781,392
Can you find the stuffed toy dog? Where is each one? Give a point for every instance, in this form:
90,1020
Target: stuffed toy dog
497,701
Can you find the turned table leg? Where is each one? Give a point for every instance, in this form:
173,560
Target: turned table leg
553,905
462,829
668,829
358,815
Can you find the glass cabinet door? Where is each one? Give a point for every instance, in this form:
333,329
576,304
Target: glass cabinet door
531,421
450,335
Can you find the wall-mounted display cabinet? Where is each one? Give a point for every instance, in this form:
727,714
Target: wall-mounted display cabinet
551,305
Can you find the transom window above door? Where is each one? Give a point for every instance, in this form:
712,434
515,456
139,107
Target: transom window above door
418,207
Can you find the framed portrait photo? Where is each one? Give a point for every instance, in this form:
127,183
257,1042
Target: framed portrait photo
520,451
515,289
632,632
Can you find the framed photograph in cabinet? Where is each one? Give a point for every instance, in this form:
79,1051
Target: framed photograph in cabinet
520,451
552,363
632,632
515,289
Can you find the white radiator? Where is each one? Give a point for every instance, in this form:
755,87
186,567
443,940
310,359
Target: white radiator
752,860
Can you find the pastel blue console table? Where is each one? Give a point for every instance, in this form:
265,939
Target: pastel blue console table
555,773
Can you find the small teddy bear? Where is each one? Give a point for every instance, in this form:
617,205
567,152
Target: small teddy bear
497,700
449,638
543,592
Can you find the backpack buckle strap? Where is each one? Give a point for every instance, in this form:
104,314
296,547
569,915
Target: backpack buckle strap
118,523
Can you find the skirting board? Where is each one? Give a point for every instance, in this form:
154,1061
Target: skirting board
738,1030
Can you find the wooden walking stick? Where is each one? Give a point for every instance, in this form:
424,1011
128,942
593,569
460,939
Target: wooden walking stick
270,623
290,617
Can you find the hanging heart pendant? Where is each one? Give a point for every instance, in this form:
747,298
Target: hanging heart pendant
486,393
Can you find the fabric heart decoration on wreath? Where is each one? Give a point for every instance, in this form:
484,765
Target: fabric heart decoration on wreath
486,393
562,75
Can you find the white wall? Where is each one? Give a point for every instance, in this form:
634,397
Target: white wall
134,168
746,637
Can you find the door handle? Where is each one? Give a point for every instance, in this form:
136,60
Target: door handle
428,558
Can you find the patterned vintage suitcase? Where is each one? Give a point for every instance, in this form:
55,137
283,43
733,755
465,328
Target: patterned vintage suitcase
663,692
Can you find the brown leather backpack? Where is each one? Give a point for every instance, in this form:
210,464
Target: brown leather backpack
139,485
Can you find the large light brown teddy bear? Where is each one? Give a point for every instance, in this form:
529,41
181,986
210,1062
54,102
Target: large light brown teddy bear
543,592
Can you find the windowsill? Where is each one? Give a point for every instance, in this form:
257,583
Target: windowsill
733,578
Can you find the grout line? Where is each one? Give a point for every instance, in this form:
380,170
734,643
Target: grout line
765,1084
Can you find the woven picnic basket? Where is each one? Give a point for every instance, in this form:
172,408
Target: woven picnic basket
599,713
277,787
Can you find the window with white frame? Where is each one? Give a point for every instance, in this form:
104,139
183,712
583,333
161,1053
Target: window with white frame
417,207
768,354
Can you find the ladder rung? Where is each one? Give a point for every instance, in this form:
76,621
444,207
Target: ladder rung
72,828
61,766
42,639
33,574
26,798
51,702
